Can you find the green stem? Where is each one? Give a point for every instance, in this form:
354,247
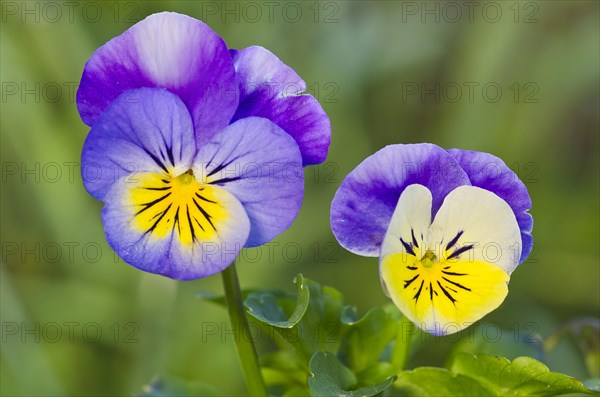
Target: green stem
243,341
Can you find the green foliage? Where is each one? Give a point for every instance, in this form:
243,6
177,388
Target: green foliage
316,331
363,350
484,375
332,378
429,381
325,349
270,308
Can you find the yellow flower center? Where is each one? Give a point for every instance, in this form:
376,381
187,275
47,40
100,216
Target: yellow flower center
428,259
165,203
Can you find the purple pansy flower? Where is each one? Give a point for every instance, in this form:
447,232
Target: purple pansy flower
196,150
448,226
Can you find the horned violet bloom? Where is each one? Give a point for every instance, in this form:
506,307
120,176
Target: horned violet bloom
196,150
449,228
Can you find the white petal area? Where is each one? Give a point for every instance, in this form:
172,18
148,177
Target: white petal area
412,217
486,221
169,46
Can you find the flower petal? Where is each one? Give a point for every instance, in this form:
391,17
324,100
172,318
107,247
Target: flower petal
409,226
435,304
449,279
491,173
271,89
261,166
166,50
182,230
477,218
151,133
363,205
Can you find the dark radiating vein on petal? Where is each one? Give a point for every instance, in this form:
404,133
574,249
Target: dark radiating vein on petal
457,284
176,222
409,282
225,180
416,297
220,167
157,188
187,210
155,159
454,274
407,247
460,251
205,199
447,293
162,215
454,240
153,203
204,213
412,233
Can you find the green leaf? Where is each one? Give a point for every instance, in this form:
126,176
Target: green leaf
428,381
368,337
375,373
332,378
524,376
273,308
315,320
320,327
329,376
172,386
349,315
485,375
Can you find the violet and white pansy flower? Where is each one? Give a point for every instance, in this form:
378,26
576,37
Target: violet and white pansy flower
449,228
195,150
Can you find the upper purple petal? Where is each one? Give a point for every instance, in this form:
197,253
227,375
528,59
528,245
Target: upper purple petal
491,173
166,50
363,205
261,166
271,89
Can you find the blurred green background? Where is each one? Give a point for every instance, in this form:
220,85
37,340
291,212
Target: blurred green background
517,79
